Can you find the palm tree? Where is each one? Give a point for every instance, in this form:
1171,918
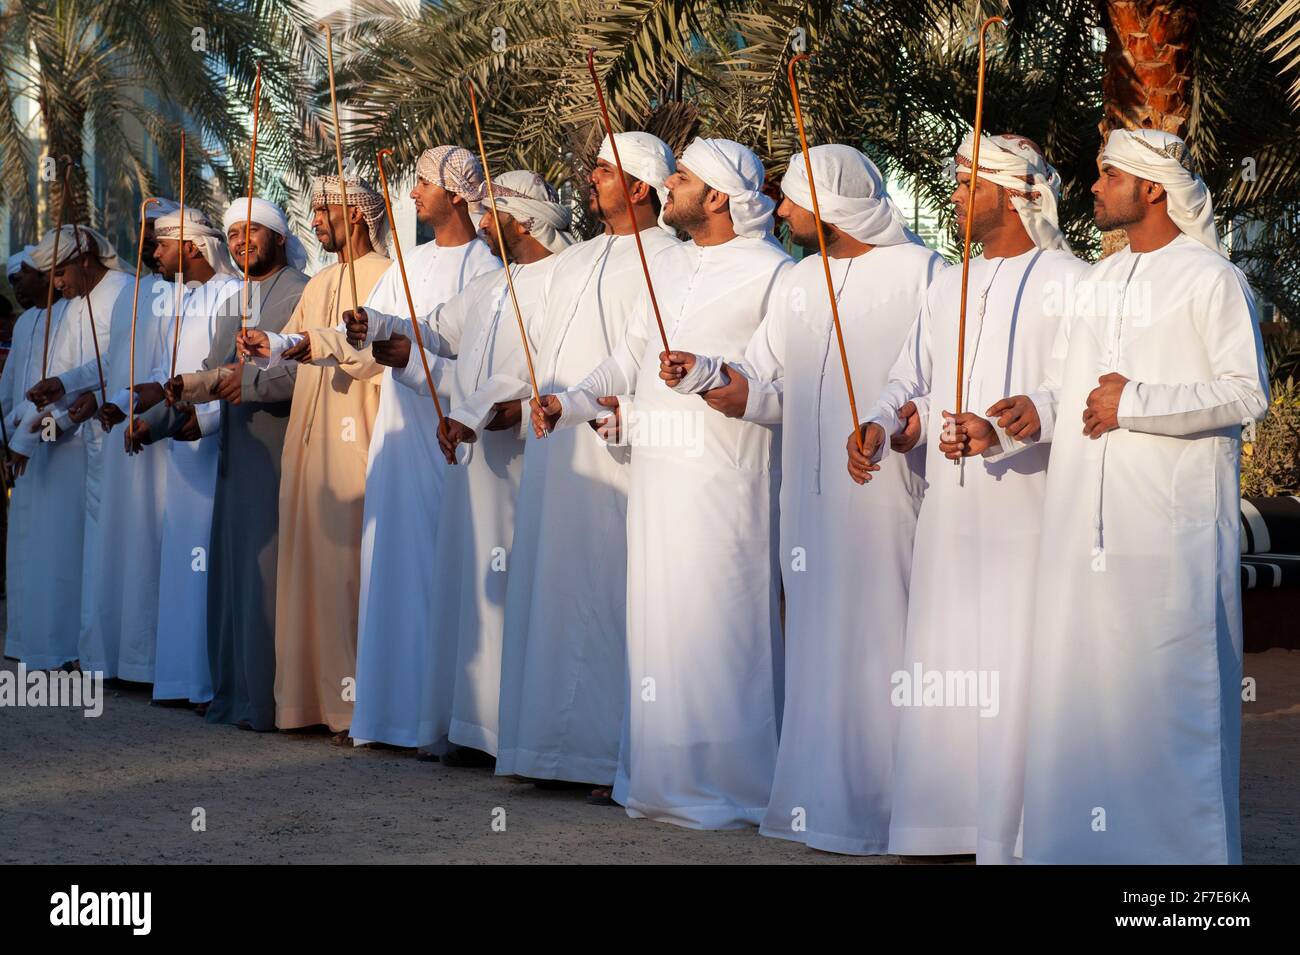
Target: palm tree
131,74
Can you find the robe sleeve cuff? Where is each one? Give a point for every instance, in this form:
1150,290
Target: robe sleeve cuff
705,375
278,344
198,386
764,404
380,326
578,406
209,417
412,373
885,419
474,413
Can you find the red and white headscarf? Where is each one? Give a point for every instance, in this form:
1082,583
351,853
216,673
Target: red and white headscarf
1015,164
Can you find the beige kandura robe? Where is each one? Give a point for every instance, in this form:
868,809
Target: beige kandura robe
322,491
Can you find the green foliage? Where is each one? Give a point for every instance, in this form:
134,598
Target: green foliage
1270,464
130,73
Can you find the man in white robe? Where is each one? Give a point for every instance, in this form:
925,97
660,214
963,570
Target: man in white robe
118,635
962,689
209,295
563,665
47,468
28,286
99,292
483,391
704,655
1135,712
844,613
255,413
406,470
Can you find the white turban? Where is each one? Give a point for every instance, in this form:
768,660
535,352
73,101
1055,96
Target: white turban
207,238
156,210
534,204
1015,164
731,168
18,260
270,215
70,246
645,157
850,193
1164,158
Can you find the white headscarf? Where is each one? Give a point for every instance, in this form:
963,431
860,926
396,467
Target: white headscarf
1014,163
533,203
272,216
850,193
731,168
156,210
1162,157
645,157
70,246
207,238
18,260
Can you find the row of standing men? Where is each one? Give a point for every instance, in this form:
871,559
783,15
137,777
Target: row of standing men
591,592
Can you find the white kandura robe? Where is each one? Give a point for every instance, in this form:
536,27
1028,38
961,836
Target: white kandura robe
45,513
476,526
1135,709
404,476
846,552
958,774
563,662
181,670
14,382
110,297
704,655
118,638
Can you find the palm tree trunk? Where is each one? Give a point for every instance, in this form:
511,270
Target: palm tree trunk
1148,79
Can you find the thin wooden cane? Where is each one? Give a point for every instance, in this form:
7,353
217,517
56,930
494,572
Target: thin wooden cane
135,307
406,286
627,194
349,255
248,220
821,244
501,243
94,335
970,216
180,257
49,291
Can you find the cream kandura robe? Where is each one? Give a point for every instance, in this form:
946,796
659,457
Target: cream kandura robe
703,626
1135,707
46,517
119,636
461,684
846,556
322,493
404,481
959,761
563,665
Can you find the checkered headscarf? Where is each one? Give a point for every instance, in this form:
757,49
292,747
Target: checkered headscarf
457,170
325,190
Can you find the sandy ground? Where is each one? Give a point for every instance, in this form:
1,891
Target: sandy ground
124,787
